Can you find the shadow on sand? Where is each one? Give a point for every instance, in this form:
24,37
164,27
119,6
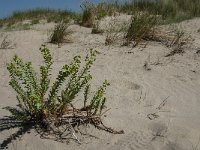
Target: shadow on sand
7,123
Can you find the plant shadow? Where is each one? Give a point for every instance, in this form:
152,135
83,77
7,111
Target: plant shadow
8,123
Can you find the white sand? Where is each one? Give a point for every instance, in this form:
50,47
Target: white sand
134,93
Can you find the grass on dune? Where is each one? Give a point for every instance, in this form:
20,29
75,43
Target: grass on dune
50,15
169,10
60,34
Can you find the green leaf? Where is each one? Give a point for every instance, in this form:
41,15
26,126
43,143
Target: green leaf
44,70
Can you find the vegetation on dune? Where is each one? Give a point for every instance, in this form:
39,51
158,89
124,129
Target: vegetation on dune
35,21
169,10
88,17
60,34
96,28
92,12
50,109
38,14
142,27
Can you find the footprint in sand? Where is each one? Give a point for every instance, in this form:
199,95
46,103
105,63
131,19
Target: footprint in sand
127,84
159,130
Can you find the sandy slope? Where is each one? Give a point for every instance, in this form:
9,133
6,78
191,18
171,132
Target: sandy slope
134,93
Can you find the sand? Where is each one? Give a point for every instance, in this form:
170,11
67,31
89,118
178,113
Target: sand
158,109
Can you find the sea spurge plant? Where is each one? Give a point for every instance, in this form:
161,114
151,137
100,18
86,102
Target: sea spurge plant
45,70
98,101
25,83
56,107
31,89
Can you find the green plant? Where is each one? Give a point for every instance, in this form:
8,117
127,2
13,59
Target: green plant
96,29
78,18
60,34
55,110
169,10
35,21
178,42
50,15
115,32
105,9
141,28
1,24
89,14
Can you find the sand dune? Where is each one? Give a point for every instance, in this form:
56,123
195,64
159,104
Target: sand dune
158,109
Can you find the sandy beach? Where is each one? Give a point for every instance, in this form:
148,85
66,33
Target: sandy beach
158,109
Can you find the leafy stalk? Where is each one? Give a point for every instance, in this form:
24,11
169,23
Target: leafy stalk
24,81
86,93
31,89
77,81
44,70
66,71
98,101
